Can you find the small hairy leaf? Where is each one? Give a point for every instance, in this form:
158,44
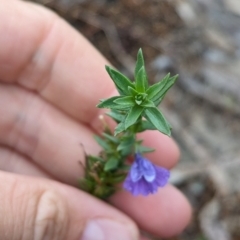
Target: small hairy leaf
156,88
110,137
111,164
147,103
86,184
154,116
125,101
127,142
146,125
108,103
141,80
133,115
157,91
116,179
163,92
144,149
120,127
121,81
139,63
132,91
126,146
115,115
102,143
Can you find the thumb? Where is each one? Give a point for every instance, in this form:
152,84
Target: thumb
39,209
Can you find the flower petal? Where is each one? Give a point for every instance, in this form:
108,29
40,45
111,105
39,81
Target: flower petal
135,172
162,176
148,170
145,168
142,187
144,177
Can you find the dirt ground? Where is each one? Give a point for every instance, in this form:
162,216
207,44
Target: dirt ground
199,40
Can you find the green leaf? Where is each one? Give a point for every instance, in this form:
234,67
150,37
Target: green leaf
92,162
110,138
126,151
144,149
154,116
146,125
140,98
124,168
120,127
86,184
163,92
139,63
102,143
115,115
141,80
116,179
126,146
157,91
153,90
110,103
125,101
147,103
133,115
111,164
121,81
127,142
132,91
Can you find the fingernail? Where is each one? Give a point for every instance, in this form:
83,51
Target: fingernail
106,229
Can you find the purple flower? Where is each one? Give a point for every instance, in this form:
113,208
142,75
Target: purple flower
144,177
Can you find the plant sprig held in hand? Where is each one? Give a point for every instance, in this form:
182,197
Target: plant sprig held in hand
134,110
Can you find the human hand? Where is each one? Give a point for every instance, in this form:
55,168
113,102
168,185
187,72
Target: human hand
51,79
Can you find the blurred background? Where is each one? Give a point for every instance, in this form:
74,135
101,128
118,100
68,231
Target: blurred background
199,40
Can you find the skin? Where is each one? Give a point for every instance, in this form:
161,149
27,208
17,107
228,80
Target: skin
51,79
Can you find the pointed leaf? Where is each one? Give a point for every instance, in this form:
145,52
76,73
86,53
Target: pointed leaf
125,101
108,103
164,90
115,115
146,125
133,115
110,138
126,151
148,103
102,143
139,63
116,179
121,81
141,80
132,91
144,149
153,90
120,127
86,184
160,89
91,160
111,164
128,142
154,116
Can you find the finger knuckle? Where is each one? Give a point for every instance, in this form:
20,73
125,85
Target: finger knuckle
51,219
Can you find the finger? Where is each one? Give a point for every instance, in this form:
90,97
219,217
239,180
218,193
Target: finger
166,152
165,214
58,62
144,238
32,208
59,84
11,161
52,140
